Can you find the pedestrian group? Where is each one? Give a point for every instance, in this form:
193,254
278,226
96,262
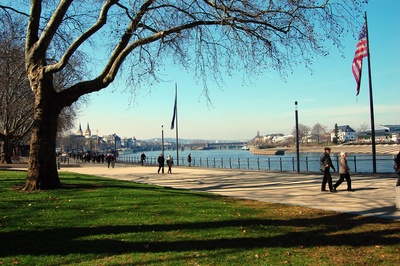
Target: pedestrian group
344,171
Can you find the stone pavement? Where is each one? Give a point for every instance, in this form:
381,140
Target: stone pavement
374,194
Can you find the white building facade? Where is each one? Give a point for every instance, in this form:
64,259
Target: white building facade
345,134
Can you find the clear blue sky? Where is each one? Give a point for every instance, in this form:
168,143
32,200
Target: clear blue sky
326,96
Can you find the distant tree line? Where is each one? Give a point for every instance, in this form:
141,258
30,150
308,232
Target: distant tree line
319,134
16,96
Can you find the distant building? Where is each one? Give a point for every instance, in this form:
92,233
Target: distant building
278,138
80,132
383,133
112,142
396,137
88,132
345,134
129,143
89,142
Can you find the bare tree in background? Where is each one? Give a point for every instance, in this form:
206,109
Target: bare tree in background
16,96
212,38
318,131
304,131
363,127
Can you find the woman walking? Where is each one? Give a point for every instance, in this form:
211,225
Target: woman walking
344,172
170,162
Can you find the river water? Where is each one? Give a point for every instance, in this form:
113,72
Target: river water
239,159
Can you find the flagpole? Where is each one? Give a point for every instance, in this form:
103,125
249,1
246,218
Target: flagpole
176,128
371,102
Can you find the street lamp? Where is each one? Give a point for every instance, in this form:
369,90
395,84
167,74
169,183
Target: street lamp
162,144
115,144
97,140
297,137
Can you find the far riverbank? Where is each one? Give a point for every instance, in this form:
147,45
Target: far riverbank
388,149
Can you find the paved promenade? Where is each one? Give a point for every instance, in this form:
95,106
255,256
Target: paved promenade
374,194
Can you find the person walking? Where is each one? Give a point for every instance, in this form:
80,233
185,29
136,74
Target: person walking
108,160
325,165
160,161
189,159
113,160
142,158
396,165
344,172
170,162
397,168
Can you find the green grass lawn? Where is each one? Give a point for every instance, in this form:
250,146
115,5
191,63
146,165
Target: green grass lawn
100,221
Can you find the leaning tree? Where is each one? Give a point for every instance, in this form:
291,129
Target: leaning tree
210,37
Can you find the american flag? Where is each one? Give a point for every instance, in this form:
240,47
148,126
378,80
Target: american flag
361,52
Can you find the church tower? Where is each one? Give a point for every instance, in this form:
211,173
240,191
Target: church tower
88,133
80,132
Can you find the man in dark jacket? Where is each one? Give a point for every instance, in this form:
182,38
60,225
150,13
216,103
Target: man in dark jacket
326,163
143,158
160,161
397,167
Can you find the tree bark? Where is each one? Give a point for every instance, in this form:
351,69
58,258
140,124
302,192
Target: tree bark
42,168
6,151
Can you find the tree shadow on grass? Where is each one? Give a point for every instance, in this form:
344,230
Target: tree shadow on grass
333,230
327,231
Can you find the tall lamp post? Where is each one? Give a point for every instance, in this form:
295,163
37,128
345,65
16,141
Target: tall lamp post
115,144
97,141
162,140
297,137
162,144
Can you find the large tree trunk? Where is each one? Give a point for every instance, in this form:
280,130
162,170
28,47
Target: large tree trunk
6,151
42,169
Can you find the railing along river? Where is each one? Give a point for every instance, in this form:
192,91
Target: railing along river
357,163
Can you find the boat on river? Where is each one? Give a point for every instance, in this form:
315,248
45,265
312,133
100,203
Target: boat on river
272,151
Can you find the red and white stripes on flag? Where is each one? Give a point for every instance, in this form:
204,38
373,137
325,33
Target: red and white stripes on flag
361,52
